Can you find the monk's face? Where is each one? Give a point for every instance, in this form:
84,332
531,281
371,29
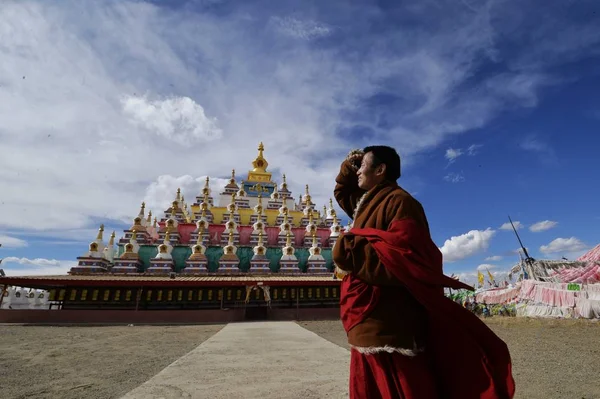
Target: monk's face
369,175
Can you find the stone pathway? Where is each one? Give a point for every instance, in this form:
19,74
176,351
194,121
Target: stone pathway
254,360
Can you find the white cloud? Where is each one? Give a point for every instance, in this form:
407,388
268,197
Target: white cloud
301,29
466,245
452,154
563,245
179,119
542,226
494,258
11,242
506,226
14,266
454,177
472,150
486,266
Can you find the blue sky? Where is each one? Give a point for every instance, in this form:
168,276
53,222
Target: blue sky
492,105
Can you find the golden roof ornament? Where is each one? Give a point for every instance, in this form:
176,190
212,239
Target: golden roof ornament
112,239
314,239
259,172
178,196
288,239
100,231
154,223
142,209
167,237
134,236
230,238
284,184
149,220
330,203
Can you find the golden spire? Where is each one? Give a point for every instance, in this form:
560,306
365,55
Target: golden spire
233,174
260,238
205,199
330,203
154,223
167,236
100,231
206,182
142,209
288,239
260,164
200,236
230,238
259,206
306,190
134,236
111,242
203,211
149,220
178,197
233,195
285,216
314,238
324,210
182,199
310,216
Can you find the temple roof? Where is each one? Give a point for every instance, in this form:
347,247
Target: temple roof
47,282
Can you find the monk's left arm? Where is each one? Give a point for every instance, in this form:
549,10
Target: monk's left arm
356,255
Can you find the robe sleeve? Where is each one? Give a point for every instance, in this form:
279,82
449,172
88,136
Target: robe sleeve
346,192
357,256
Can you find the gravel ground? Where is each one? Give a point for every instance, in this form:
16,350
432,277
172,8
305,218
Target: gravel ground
91,362
551,358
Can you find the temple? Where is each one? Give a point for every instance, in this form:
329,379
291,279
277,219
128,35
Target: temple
251,246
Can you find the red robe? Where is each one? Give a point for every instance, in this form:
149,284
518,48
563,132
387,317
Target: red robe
467,359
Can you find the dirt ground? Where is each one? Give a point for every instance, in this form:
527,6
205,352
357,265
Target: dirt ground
91,362
551,358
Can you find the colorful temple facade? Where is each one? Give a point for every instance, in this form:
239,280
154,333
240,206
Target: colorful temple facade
250,245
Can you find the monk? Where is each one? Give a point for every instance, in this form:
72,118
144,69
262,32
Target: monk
401,329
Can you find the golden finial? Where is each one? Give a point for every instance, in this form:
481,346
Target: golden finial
307,193
324,210
232,174
100,231
111,242
142,208
310,216
203,211
261,148
285,216
178,194
167,236
149,220
314,238
134,236
230,238
288,239
284,180
330,203
206,181
233,195
154,223
260,238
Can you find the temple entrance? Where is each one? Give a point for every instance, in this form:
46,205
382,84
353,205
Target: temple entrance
256,313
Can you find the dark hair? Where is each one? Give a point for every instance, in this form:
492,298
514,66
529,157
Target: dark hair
383,154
